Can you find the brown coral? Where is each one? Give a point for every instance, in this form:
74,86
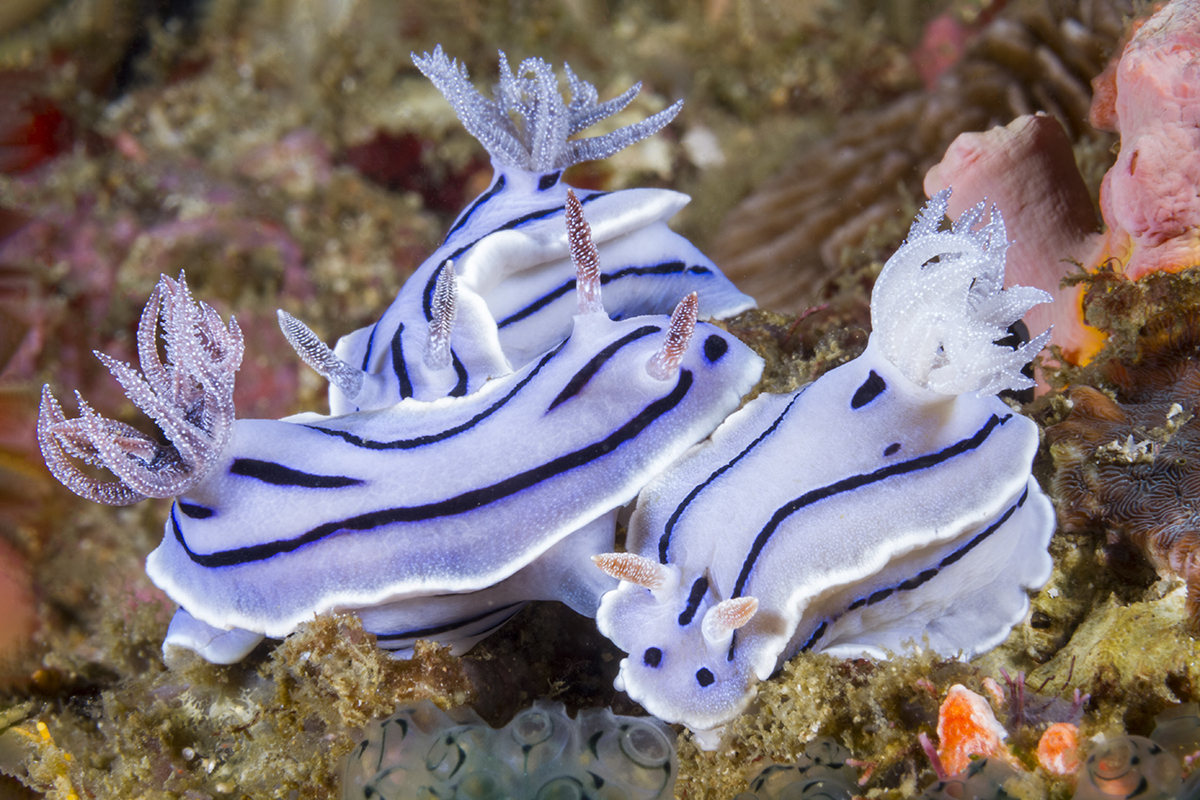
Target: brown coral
1127,465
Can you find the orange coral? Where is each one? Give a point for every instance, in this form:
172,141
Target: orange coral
1057,750
968,727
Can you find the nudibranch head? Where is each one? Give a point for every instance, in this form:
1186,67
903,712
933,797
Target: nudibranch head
939,306
527,124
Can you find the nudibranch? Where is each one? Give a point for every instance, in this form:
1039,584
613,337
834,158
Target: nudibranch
508,247
889,502
432,520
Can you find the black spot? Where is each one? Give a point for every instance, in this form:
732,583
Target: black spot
872,387
1040,620
194,511
652,657
714,348
704,677
548,180
892,449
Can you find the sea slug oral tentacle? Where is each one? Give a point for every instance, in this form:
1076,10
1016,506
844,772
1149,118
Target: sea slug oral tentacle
665,363
584,256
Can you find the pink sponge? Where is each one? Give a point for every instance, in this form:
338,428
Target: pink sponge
1151,197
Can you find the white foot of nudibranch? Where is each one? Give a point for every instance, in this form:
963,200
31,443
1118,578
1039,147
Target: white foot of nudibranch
215,645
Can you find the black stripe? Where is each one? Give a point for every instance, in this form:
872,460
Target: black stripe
279,475
427,301
920,578
589,370
194,511
665,268
927,574
421,441
460,388
694,598
817,634
461,504
398,364
370,344
548,180
857,482
969,546
497,187
450,626
664,541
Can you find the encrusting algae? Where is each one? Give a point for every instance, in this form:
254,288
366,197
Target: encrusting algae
286,154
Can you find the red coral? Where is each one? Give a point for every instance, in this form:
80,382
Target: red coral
32,128
404,163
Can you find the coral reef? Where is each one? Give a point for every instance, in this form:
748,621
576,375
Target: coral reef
285,153
967,729
1124,465
839,203
1149,198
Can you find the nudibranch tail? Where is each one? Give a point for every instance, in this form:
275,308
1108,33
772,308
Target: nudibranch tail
664,364
190,398
445,303
316,354
585,256
527,124
939,306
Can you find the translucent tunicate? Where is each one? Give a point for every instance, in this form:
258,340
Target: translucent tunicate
1129,767
983,779
422,753
821,773
1178,729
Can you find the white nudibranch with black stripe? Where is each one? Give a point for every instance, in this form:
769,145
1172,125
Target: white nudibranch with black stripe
888,503
433,520
516,284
